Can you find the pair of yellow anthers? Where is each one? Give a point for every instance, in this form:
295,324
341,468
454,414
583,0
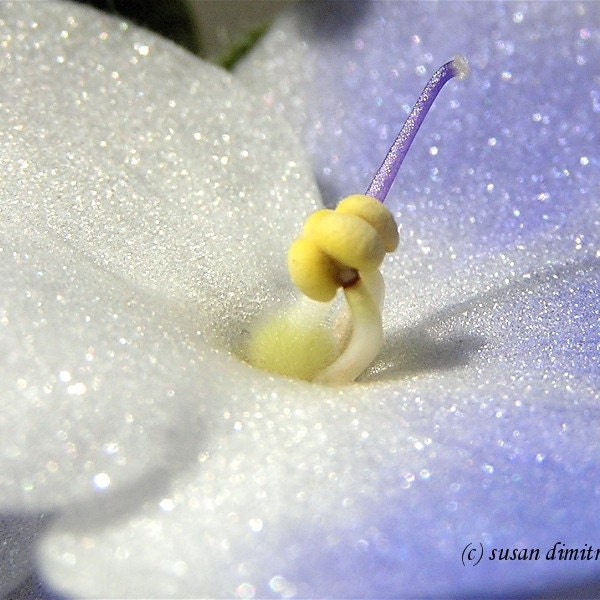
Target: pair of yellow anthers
342,248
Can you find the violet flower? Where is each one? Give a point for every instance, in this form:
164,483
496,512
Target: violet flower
137,251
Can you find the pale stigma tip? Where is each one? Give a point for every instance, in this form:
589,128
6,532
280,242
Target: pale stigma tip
461,66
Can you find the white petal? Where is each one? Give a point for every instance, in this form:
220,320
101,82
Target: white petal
376,488
135,182
157,166
477,425
93,376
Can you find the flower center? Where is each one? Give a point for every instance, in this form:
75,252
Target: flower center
342,248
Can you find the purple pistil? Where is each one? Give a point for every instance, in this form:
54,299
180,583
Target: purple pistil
386,174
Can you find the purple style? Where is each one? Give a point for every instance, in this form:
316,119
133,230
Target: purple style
386,174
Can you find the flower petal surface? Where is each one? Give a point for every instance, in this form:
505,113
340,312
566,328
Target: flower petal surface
477,426
129,184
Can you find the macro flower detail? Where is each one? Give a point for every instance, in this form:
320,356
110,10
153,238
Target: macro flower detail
148,201
344,248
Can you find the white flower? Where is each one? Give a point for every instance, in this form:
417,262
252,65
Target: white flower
147,202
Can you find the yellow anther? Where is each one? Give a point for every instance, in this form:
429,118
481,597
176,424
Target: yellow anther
348,239
336,244
374,213
312,271
313,220
342,248
337,248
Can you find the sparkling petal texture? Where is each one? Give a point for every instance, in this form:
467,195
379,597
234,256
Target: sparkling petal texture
76,419
128,182
504,158
478,423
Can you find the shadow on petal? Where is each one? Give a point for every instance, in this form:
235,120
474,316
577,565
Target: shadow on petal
416,350
18,534
127,501
34,587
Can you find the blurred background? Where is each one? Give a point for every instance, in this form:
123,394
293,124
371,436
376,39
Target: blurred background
221,31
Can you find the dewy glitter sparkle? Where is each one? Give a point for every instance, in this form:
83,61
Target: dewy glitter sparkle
147,202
